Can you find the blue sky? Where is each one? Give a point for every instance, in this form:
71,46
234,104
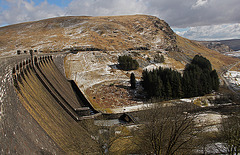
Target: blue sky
188,18
60,3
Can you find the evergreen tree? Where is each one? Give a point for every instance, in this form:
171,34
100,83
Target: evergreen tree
202,62
168,90
127,63
187,85
201,77
215,80
133,81
198,79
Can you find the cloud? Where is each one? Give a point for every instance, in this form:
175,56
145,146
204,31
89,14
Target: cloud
106,7
23,11
199,3
177,13
213,32
185,13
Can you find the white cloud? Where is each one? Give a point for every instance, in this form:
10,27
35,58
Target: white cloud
213,32
178,13
199,3
23,11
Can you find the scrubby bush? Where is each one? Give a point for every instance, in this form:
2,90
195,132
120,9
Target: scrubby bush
159,58
18,52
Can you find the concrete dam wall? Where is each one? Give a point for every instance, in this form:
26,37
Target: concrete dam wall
30,78
41,111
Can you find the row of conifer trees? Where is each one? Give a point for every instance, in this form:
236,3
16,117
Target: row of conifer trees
198,79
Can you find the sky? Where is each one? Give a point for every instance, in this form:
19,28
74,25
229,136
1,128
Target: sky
193,19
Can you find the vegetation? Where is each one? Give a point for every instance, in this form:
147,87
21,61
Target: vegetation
229,133
159,58
133,81
162,83
18,52
198,79
168,130
127,63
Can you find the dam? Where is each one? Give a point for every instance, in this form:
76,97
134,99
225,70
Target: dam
41,109
45,81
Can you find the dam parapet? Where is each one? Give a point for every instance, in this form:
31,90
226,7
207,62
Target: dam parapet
39,80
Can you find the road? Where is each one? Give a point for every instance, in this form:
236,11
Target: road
226,81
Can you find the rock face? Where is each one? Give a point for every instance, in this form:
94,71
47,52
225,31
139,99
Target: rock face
104,33
217,46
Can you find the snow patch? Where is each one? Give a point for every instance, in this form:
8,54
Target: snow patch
155,66
233,78
211,121
233,54
91,68
186,100
133,108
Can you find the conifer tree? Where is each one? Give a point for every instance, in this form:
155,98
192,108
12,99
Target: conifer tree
168,90
133,81
127,63
198,79
215,80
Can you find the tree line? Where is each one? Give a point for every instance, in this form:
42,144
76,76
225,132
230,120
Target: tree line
198,79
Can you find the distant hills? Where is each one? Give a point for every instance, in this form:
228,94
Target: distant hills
223,46
233,44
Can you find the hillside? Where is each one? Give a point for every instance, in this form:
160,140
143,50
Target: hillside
223,45
217,46
233,44
110,33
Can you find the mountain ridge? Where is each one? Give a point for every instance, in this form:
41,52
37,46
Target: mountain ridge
103,29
